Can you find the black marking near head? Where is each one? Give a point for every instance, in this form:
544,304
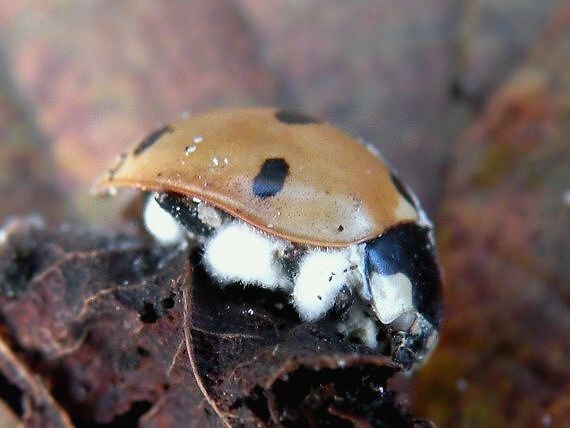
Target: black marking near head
402,189
271,177
407,249
185,211
294,118
152,138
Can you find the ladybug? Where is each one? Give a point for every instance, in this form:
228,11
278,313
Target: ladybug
280,200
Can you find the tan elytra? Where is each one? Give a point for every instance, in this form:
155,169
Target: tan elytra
334,191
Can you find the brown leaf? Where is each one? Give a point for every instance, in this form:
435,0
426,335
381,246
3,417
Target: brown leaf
97,320
256,361
24,394
107,329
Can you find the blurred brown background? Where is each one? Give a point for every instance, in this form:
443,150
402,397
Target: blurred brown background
468,99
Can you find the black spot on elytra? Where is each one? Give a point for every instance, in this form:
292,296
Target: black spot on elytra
152,138
271,177
294,118
402,189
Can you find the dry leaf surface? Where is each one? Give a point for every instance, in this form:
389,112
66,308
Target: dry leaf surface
103,330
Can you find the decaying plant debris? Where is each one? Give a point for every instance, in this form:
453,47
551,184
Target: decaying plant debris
101,329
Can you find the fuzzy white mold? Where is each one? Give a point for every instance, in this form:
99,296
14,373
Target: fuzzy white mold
321,276
161,225
237,253
209,215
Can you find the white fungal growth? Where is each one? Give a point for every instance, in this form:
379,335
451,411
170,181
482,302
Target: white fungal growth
237,253
209,215
321,275
161,225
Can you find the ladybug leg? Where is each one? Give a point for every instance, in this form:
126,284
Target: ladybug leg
413,346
